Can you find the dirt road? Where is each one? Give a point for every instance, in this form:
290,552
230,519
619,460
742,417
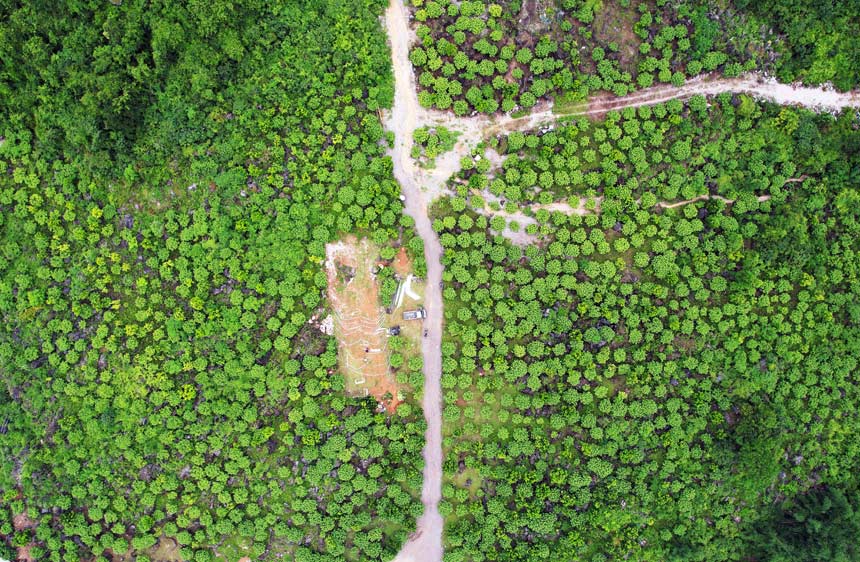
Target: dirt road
426,544
755,85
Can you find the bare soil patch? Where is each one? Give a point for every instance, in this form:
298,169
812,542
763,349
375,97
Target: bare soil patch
167,550
533,22
614,23
402,265
359,321
24,553
21,522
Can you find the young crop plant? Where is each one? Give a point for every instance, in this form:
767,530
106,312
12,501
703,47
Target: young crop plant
430,142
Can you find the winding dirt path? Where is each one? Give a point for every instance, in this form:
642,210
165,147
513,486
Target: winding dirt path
523,219
753,84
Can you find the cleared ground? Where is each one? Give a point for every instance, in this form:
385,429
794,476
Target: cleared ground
361,323
167,550
21,523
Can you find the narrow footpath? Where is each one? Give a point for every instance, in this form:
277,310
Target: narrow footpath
525,215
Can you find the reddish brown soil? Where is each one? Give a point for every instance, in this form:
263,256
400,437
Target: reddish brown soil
21,522
402,265
358,321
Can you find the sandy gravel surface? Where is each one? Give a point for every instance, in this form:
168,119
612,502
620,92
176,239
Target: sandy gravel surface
426,543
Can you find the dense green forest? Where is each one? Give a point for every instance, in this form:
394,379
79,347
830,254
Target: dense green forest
818,38
644,383
171,174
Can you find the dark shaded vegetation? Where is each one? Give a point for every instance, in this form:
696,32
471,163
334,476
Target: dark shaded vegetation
819,39
821,524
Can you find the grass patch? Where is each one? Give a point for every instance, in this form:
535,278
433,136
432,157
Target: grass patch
235,548
568,105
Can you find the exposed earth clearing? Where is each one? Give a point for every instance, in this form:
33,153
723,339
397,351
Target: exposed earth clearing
359,322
